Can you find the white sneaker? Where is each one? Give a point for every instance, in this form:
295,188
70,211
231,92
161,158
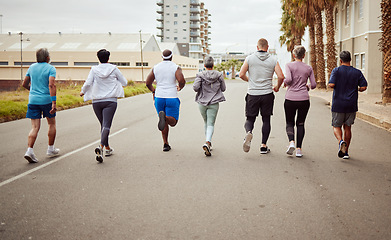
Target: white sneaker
30,156
291,148
109,152
299,154
247,141
53,153
99,154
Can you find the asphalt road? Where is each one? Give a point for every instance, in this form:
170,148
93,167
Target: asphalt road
142,192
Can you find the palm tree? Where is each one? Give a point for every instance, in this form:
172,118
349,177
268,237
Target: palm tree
385,45
320,64
330,32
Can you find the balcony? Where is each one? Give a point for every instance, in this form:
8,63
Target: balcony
194,2
194,10
160,18
194,26
160,2
194,18
159,10
160,26
194,33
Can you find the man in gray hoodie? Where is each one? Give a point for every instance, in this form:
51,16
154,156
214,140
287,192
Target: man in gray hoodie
261,67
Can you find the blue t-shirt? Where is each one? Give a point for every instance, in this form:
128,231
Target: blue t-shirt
347,80
39,74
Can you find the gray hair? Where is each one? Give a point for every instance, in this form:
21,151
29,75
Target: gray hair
208,62
42,55
299,52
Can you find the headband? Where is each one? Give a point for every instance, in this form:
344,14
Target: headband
168,57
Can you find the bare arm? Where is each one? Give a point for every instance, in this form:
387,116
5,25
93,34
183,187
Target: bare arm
26,83
362,89
53,93
331,85
280,76
243,71
149,81
180,78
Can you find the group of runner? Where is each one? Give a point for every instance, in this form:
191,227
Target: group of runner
105,82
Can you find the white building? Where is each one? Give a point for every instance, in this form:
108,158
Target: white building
185,22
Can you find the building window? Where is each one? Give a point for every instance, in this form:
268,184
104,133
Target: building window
138,64
347,14
184,21
3,63
361,10
175,30
86,63
167,5
184,14
175,14
121,63
175,6
184,38
175,38
175,22
168,14
357,61
59,63
184,6
363,61
167,29
168,38
184,29
167,21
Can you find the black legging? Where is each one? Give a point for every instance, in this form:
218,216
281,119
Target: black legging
104,111
266,126
302,108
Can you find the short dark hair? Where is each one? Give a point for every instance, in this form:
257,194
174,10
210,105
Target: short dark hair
345,56
42,55
208,62
103,55
299,51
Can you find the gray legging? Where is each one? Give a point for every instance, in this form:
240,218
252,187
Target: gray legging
104,111
209,114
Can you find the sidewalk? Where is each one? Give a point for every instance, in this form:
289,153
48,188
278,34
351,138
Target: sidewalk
370,107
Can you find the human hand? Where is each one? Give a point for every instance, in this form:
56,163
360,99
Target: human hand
54,108
276,89
308,87
81,94
178,88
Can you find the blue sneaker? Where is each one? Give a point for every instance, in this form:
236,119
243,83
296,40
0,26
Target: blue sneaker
342,149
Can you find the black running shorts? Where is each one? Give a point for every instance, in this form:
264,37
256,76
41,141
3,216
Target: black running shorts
259,104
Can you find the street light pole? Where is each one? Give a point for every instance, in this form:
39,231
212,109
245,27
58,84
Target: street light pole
1,23
142,61
21,56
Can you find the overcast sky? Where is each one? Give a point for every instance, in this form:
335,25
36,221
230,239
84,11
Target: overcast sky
236,24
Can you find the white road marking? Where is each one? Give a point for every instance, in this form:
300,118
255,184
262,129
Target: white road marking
54,161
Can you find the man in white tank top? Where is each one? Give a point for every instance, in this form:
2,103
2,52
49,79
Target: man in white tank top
260,98
165,95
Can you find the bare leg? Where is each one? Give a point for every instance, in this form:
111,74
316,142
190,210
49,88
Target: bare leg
52,130
35,126
169,121
348,135
338,133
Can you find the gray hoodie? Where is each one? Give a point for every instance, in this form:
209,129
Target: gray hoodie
209,86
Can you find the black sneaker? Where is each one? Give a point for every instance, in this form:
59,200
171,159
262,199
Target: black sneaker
166,147
265,150
342,149
207,150
162,121
99,154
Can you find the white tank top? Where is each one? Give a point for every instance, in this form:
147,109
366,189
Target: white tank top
165,79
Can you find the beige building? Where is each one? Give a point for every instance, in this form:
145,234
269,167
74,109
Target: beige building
357,30
74,54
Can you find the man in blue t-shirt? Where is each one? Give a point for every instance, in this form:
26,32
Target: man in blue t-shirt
40,81
346,81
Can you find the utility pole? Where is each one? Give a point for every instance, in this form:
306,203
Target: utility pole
21,56
142,61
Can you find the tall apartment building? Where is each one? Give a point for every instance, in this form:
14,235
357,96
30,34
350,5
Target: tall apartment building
185,22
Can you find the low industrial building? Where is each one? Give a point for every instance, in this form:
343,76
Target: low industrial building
74,54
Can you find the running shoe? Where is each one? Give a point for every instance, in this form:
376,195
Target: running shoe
265,150
30,156
53,153
166,147
109,152
247,141
299,154
291,148
207,150
99,154
342,149
346,156
162,120
210,146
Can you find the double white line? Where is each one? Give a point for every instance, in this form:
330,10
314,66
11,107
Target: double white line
54,161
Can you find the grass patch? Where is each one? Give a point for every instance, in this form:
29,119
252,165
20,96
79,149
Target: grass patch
13,104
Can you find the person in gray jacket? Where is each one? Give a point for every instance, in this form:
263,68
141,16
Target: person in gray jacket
209,86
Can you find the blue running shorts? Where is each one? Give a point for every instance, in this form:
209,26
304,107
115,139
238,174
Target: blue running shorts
36,111
168,105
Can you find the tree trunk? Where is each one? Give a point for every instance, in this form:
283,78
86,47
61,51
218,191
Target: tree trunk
385,45
330,32
313,49
320,64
